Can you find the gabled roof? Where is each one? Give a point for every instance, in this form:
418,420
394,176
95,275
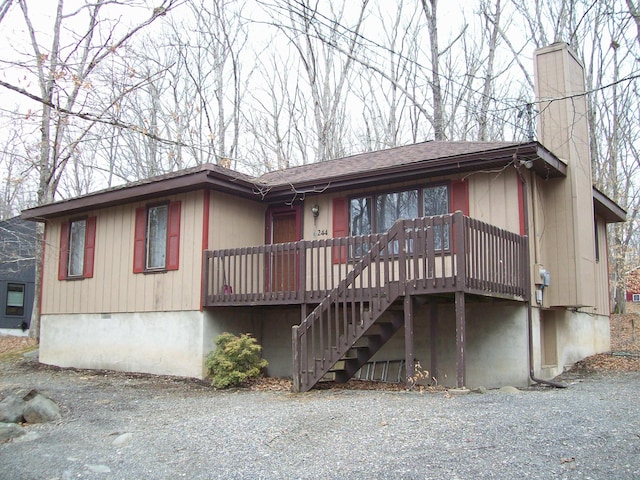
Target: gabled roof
396,164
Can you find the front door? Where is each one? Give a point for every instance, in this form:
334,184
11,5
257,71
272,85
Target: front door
285,228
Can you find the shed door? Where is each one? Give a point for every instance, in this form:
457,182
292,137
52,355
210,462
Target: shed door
285,228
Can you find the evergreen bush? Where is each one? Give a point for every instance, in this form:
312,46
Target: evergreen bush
234,360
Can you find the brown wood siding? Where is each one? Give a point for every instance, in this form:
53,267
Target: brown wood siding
235,222
566,228
493,199
114,287
603,305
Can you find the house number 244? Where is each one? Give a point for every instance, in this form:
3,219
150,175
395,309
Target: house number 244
321,232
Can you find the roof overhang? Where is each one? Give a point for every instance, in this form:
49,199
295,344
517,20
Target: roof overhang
606,208
147,190
532,155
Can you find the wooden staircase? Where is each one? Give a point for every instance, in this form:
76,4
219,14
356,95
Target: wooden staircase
365,347
346,329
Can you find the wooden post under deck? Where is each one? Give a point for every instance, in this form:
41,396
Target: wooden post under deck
460,339
296,360
433,327
408,340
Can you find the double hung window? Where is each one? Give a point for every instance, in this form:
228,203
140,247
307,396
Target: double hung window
157,238
77,233
77,248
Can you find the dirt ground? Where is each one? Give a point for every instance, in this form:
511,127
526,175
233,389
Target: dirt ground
11,345
625,347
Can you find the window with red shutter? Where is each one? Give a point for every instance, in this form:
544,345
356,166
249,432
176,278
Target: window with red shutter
157,238
77,249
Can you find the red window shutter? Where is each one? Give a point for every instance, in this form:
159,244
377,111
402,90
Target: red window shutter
63,260
460,196
340,227
139,240
89,247
173,236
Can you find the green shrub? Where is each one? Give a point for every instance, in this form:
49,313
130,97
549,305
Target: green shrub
234,360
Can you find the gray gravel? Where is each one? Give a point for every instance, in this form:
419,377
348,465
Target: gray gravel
116,426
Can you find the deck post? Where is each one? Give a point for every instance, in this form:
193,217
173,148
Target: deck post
302,273
460,250
433,333
460,339
408,341
296,359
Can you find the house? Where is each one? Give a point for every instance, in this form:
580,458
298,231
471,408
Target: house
484,261
632,286
17,274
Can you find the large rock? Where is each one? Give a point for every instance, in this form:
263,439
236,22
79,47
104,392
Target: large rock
9,431
11,409
40,409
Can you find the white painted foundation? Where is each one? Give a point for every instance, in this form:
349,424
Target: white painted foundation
176,343
164,343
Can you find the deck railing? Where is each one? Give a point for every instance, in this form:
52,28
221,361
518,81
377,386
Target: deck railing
440,254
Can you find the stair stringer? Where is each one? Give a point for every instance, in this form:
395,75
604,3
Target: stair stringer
308,373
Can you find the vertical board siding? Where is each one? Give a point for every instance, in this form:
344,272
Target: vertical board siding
114,287
235,222
603,305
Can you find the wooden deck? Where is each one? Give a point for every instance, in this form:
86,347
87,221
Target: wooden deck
352,282
431,255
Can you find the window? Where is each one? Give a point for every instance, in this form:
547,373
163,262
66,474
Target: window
77,235
376,213
435,201
157,238
389,207
77,248
394,206
636,297
15,299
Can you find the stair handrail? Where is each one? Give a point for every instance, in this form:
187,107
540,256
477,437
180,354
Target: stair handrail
359,267
396,232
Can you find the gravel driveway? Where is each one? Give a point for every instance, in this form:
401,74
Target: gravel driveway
118,426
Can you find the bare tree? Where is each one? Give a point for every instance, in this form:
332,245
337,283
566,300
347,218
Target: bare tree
327,72
430,8
63,72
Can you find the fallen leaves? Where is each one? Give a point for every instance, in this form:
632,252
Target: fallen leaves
12,345
625,347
